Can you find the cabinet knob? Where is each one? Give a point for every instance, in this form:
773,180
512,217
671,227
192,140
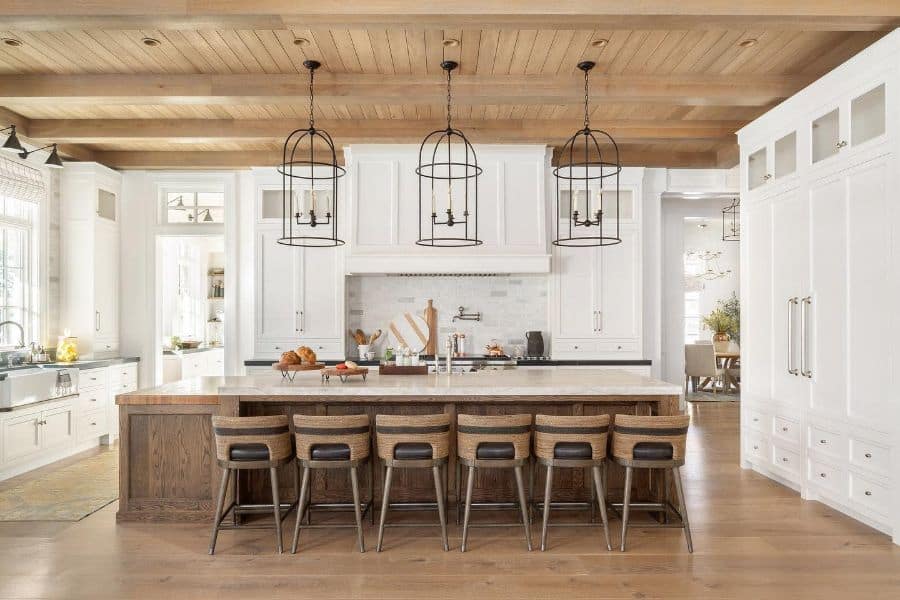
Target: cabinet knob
868,493
841,144
823,442
767,176
784,459
756,447
784,428
576,347
93,424
822,475
868,455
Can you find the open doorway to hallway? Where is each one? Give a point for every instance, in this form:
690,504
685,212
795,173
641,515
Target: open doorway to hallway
701,291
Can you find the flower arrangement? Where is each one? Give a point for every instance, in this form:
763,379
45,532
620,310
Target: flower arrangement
725,319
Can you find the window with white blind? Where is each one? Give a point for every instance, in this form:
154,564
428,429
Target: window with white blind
18,272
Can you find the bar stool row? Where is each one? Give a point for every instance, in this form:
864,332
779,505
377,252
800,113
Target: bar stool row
409,442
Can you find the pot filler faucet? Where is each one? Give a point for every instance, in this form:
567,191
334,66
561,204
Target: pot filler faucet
462,315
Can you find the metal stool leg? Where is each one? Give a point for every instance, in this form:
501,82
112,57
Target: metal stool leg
439,492
532,465
459,502
548,487
301,508
220,505
601,502
385,502
276,503
682,508
354,483
629,471
470,484
523,504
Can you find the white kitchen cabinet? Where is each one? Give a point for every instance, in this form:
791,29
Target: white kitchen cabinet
31,431
207,363
122,378
384,212
820,284
89,257
299,297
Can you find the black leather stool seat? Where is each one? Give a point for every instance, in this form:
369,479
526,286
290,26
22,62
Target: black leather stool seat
495,451
248,452
572,451
413,451
329,452
652,451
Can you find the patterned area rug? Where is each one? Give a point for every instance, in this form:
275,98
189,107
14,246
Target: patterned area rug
69,493
710,397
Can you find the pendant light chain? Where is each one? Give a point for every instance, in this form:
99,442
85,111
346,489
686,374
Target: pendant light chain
449,99
312,120
587,122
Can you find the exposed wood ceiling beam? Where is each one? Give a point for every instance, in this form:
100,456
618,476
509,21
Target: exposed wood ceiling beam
838,15
243,159
332,88
362,131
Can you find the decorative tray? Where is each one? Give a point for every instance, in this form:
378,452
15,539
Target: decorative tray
344,374
290,370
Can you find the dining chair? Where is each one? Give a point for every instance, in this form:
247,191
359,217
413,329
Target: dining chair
700,362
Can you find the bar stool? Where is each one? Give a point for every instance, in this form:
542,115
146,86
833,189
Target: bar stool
244,443
502,441
646,442
574,442
339,442
413,442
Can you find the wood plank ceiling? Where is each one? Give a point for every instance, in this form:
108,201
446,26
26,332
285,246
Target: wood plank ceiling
225,83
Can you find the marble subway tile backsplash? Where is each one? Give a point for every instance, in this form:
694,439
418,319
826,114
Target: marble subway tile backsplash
509,305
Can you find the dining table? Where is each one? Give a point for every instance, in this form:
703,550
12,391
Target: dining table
728,359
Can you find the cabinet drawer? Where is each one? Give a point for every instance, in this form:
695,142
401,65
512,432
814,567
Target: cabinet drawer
786,429
869,496
756,420
615,347
561,348
869,455
92,399
826,441
756,448
106,348
786,460
124,373
122,388
92,378
323,348
92,425
825,476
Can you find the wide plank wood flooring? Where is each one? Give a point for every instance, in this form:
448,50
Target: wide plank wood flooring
753,539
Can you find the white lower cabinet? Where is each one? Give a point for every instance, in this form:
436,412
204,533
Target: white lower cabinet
36,435
209,363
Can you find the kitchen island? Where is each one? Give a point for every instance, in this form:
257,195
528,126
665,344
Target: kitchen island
168,471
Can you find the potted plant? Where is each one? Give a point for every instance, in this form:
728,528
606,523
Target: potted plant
720,322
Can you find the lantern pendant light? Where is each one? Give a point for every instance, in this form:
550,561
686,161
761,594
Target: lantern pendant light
731,221
448,185
585,169
301,170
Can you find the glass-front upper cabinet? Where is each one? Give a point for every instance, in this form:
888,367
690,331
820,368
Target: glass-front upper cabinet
776,160
757,168
850,124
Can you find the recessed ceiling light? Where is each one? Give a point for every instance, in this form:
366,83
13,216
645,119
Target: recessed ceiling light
12,42
749,43
599,43
301,41
450,43
152,42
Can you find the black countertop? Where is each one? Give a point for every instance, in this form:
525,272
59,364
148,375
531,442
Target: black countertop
522,362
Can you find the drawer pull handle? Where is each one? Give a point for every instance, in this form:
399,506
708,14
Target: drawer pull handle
868,493
823,442
755,420
785,428
822,475
868,455
756,447
841,144
784,459
93,399
93,424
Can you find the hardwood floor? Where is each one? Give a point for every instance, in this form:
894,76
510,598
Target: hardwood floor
753,539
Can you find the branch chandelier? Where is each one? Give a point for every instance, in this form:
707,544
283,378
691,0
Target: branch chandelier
314,225
448,181
584,169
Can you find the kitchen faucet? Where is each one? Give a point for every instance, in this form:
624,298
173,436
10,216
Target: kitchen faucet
21,337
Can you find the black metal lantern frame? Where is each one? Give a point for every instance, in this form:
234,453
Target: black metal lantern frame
581,162
299,162
438,163
731,221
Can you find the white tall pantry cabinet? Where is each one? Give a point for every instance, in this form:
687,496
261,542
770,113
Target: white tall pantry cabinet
90,257
819,234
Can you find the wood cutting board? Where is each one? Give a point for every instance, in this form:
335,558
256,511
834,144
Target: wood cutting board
407,329
431,320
